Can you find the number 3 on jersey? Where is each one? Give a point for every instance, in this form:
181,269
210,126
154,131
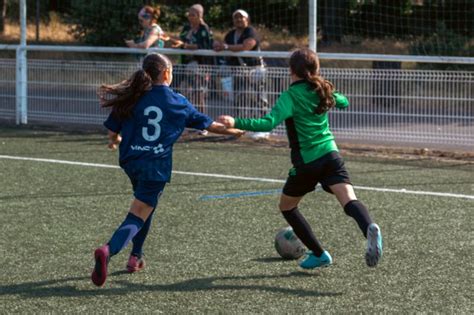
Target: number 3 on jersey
154,122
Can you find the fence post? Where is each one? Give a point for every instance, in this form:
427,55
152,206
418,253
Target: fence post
313,25
21,86
21,71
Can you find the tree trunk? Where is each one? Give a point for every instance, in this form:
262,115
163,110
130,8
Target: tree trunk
3,13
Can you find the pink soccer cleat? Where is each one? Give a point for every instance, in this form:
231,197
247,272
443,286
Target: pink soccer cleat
135,264
102,257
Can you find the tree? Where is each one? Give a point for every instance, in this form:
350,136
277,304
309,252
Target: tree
3,14
334,14
105,22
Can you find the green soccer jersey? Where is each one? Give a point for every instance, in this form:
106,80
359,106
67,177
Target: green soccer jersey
308,133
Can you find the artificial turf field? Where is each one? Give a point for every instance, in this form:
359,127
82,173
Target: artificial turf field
210,249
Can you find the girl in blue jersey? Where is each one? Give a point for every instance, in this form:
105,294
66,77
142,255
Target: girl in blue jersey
147,118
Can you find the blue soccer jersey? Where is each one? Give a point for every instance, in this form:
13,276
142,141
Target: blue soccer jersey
158,119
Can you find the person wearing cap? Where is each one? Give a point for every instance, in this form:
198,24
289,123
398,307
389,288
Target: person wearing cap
242,37
249,95
153,35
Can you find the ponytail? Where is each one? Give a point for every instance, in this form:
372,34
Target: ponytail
304,63
127,93
324,89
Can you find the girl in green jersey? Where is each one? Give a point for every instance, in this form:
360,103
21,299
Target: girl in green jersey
304,109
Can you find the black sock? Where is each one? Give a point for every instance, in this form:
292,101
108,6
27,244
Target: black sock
303,230
359,212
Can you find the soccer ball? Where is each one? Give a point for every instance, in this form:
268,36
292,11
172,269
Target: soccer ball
288,245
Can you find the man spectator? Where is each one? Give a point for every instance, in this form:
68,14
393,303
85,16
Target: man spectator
249,95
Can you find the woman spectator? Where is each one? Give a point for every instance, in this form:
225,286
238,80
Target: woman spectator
195,34
153,35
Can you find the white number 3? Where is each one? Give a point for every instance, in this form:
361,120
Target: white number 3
153,122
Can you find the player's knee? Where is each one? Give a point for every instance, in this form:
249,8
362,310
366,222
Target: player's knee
285,206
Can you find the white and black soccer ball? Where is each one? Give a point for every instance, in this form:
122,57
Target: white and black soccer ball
288,245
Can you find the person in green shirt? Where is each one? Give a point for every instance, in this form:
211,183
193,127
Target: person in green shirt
314,154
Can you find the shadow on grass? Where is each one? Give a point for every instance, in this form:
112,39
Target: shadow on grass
60,288
269,260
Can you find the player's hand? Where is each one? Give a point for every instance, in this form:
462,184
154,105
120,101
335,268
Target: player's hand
114,142
227,121
236,132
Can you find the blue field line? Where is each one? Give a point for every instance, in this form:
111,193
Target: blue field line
242,194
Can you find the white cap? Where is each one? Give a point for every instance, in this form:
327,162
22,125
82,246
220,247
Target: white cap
241,12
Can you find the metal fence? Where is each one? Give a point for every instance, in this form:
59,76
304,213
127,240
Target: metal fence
393,106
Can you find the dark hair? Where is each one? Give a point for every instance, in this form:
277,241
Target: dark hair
127,93
305,64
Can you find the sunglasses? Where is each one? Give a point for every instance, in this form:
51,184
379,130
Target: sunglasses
144,16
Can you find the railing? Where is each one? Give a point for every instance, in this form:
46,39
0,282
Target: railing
393,106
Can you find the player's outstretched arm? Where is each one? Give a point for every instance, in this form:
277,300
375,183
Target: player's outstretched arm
219,128
227,121
114,140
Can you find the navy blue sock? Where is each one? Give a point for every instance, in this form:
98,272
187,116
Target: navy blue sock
359,212
303,230
125,232
140,237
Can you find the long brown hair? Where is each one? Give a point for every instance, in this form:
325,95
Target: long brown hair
304,63
123,96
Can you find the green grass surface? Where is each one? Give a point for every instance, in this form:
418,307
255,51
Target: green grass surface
217,256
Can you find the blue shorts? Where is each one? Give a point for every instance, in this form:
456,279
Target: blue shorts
146,187
147,191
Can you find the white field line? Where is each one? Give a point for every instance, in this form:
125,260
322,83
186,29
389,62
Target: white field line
258,179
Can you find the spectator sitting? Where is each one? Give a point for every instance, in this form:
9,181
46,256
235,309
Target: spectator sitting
153,35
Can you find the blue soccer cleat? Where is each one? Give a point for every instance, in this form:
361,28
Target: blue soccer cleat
311,261
374,245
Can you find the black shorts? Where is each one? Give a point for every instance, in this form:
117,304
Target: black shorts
327,170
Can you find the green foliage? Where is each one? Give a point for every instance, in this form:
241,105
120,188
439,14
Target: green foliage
108,22
443,42
45,7
105,22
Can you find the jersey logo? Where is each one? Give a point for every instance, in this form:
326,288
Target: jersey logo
156,149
